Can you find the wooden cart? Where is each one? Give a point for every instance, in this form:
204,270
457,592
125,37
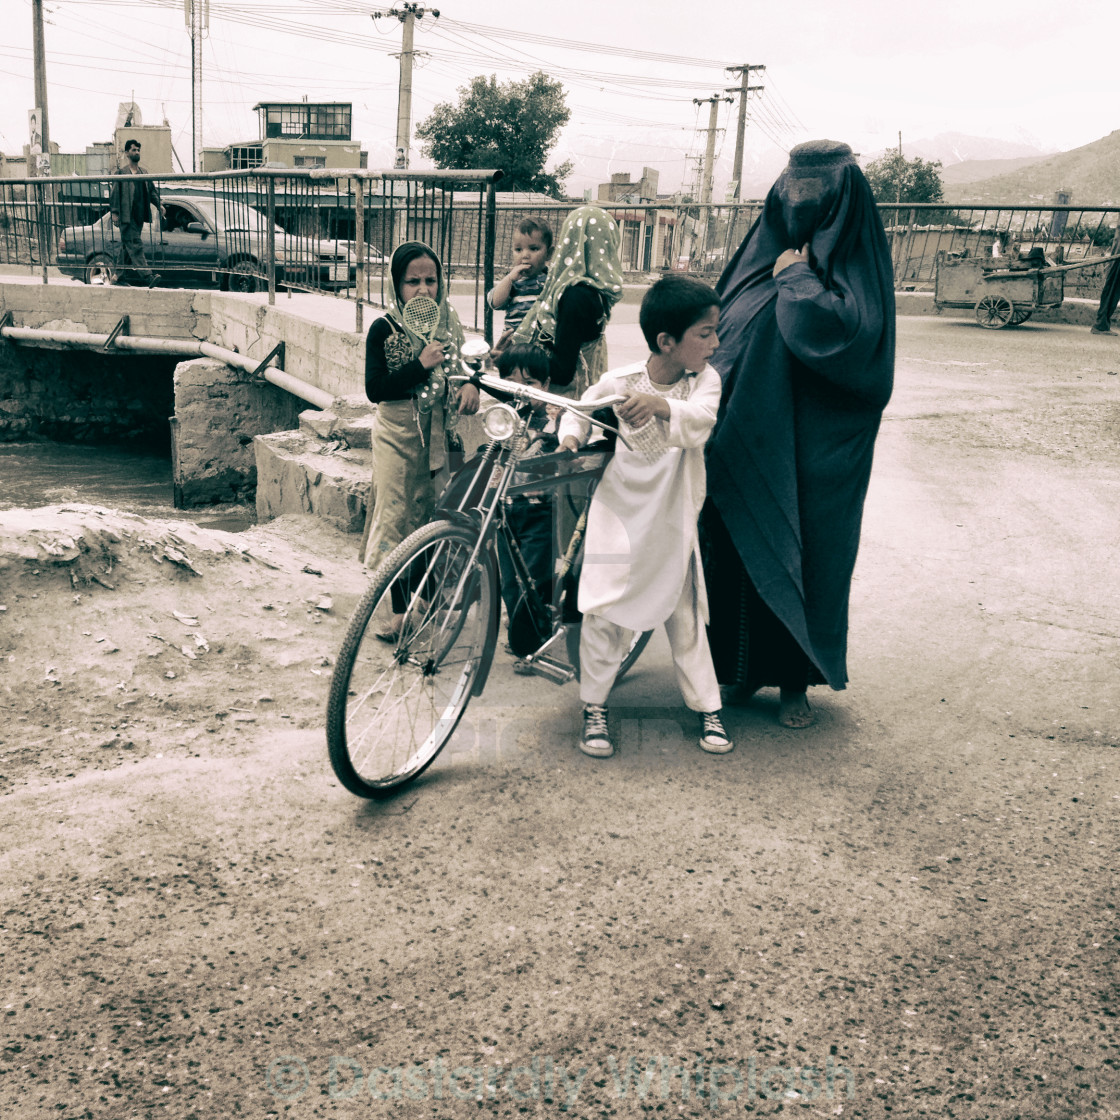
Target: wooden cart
1003,296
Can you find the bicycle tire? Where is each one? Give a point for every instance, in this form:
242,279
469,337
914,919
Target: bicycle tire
639,643
393,705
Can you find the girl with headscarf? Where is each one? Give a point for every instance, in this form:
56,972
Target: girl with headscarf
807,360
570,315
417,407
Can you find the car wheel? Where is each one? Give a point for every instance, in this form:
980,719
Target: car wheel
100,269
245,276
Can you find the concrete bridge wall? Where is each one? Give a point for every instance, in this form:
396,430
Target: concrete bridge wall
56,390
320,351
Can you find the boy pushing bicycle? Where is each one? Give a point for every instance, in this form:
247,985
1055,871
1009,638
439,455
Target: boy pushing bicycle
641,564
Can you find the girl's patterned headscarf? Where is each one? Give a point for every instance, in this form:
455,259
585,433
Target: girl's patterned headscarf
449,332
587,252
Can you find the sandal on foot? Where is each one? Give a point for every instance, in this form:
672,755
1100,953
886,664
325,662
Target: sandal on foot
390,631
798,721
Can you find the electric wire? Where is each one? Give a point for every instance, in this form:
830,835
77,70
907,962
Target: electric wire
459,48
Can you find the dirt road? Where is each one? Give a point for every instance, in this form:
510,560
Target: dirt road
908,910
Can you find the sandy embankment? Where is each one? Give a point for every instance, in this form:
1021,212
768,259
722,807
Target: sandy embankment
123,637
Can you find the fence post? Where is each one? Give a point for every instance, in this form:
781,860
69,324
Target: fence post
488,263
43,217
271,241
909,247
359,250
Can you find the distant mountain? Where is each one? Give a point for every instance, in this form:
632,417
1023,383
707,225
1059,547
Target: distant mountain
973,170
956,147
1091,175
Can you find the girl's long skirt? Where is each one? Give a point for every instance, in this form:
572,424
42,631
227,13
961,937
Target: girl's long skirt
402,497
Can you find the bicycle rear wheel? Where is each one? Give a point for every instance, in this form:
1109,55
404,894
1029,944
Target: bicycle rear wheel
395,701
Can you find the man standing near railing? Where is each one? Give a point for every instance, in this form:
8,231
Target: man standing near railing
1110,296
130,204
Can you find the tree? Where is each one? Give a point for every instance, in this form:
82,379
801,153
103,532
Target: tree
894,178
512,125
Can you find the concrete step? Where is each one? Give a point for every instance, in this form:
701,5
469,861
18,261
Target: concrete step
349,419
298,472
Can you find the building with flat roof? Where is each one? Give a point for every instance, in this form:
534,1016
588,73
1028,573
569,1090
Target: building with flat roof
304,134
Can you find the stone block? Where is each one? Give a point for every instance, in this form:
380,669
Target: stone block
353,404
294,476
316,423
218,412
358,430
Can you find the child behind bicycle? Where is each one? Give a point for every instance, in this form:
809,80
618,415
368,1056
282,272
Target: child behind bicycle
529,516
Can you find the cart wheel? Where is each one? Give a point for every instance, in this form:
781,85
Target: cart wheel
1018,317
994,312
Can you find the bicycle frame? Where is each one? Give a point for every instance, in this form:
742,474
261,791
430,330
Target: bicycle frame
490,482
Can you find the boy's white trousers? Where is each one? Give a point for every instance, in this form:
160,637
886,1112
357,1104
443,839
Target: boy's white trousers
603,646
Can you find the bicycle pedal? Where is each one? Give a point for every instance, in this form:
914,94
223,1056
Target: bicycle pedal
554,670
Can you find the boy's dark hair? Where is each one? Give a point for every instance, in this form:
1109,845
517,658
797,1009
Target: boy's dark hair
540,227
673,305
532,359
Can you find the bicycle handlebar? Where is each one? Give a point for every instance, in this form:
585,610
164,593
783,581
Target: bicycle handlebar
515,392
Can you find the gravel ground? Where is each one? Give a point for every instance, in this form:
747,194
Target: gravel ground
907,910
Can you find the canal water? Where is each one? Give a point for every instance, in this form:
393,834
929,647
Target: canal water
48,474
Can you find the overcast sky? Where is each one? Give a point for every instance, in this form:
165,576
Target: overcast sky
861,70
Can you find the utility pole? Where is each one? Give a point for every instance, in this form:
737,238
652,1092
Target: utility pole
898,185
696,176
743,89
710,151
709,170
197,14
40,87
407,15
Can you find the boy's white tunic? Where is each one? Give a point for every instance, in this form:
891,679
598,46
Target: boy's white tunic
642,543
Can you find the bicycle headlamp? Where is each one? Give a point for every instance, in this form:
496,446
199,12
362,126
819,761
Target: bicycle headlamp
499,421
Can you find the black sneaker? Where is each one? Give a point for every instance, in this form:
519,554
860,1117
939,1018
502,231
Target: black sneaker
713,738
596,740
153,280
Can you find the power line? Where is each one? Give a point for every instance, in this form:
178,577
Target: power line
457,47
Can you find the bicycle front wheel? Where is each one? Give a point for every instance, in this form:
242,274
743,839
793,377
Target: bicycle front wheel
412,654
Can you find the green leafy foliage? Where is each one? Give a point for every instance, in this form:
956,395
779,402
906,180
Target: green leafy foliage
511,125
1097,233
893,178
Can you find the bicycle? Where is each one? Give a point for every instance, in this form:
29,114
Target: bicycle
396,699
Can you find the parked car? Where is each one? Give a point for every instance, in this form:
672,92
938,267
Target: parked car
208,241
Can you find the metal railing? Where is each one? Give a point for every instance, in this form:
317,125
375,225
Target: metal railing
262,229
334,230
1066,234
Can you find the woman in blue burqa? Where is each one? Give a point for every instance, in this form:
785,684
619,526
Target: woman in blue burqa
807,360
